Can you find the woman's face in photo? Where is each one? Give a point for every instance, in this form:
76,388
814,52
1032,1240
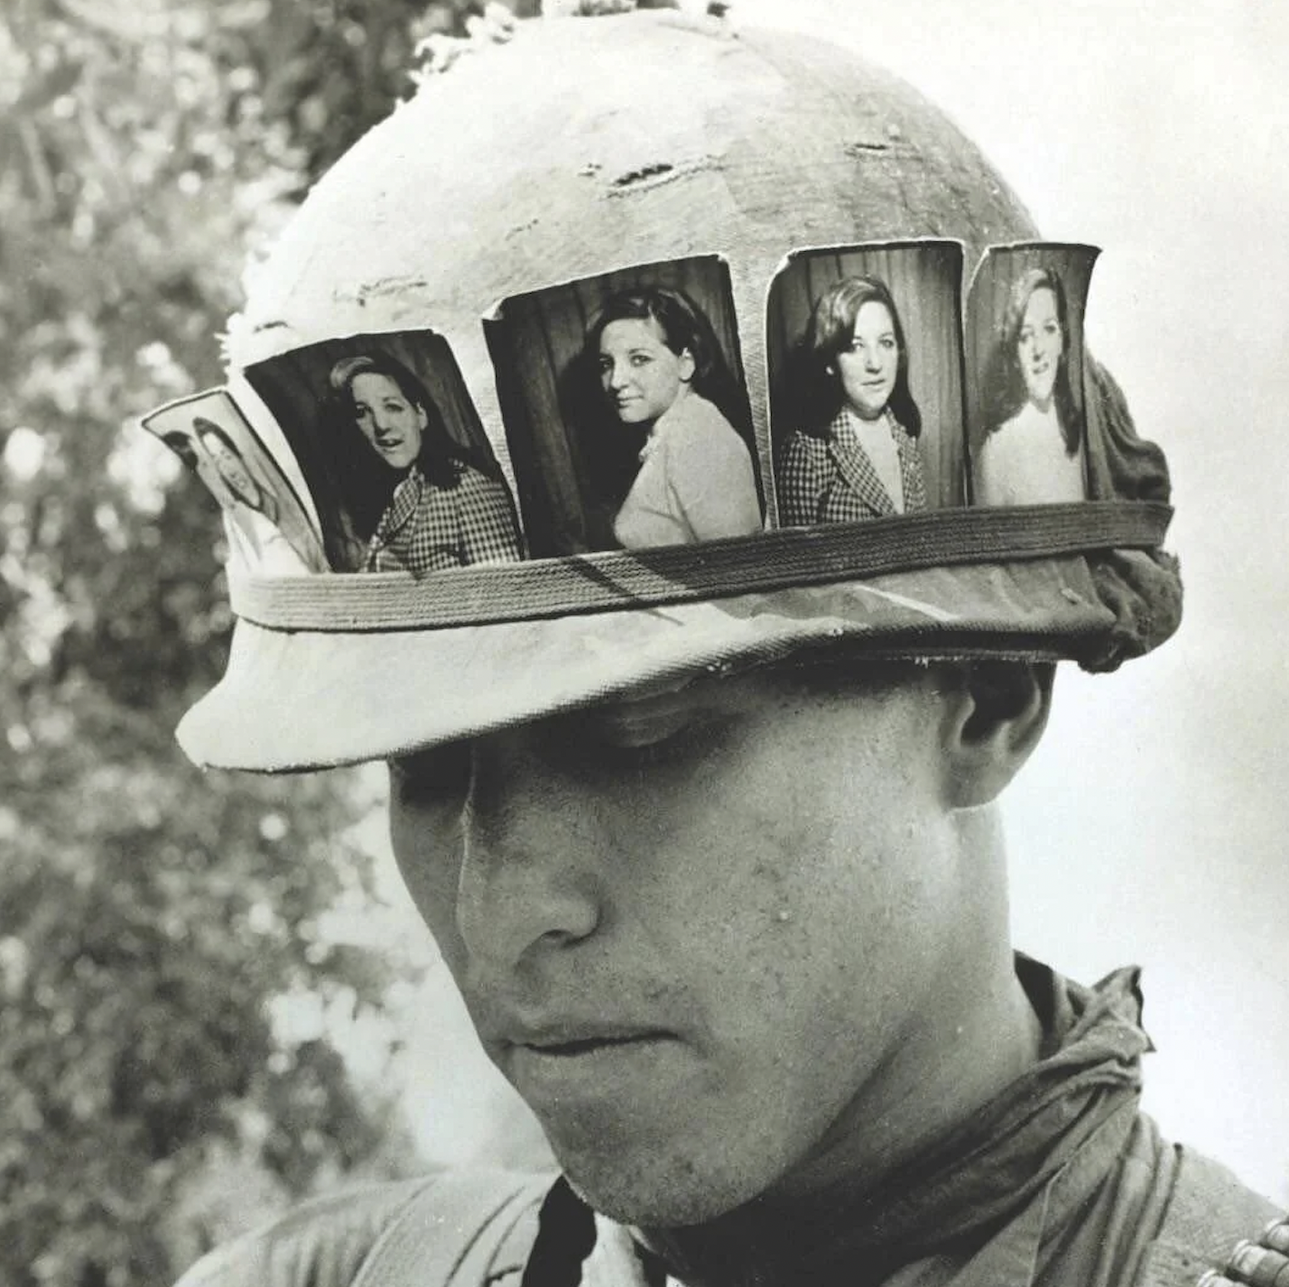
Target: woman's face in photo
388,421
639,374
1039,345
232,469
867,366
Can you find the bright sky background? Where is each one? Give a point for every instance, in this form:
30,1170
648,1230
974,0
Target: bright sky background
1151,825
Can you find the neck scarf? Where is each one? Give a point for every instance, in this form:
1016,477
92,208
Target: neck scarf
957,1194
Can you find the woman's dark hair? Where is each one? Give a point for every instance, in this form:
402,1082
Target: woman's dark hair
208,429
1005,391
815,393
684,326
366,481
181,444
613,458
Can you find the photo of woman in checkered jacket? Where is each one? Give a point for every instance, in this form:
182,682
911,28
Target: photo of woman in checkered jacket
855,454
442,510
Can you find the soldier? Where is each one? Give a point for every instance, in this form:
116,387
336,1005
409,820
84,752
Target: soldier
707,834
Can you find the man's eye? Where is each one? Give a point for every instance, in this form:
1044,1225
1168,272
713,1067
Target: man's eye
645,755
631,741
437,775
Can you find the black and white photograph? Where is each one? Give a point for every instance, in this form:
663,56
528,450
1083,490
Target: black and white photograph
1024,340
865,357
701,699
626,410
403,474
211,436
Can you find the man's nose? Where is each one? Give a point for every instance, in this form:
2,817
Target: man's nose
529,876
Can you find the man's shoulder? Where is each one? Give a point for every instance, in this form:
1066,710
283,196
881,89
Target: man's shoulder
1211,1215
462,1227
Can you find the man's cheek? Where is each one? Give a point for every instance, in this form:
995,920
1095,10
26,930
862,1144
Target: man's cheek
427,848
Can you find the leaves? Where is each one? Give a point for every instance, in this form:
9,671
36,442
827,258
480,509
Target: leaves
150,915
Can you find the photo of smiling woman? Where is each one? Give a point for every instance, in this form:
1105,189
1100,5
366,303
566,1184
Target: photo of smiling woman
627,415
391,447
1028,437
267,525
864,346
857,456
660,369
436,509
232,470
1032,450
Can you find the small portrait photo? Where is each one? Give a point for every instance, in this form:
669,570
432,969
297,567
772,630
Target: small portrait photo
1027,436
209,433
864,345
394,452
626,410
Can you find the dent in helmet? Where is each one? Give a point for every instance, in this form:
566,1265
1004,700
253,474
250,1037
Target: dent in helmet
268,527
395,456
626,409
1027,427
864,349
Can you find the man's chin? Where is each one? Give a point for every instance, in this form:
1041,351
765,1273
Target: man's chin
654,1195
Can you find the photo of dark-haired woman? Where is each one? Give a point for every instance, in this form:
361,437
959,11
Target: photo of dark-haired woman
1032,445
855,455
267,525
660,369
431,508
232,470
628,423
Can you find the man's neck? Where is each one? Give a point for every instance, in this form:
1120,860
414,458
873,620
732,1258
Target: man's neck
972,1038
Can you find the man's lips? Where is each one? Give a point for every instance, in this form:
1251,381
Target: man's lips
553,1074
578,1038
587,1045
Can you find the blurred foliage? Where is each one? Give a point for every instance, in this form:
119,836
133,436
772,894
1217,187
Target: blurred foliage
150,915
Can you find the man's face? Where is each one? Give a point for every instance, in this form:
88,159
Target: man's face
694,931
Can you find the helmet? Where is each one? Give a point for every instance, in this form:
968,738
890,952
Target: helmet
758,221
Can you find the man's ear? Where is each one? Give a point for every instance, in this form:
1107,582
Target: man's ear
994,717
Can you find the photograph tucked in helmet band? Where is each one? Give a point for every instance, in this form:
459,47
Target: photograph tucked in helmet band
400,468
626,410
865,354
1027,436
627,424
209,433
